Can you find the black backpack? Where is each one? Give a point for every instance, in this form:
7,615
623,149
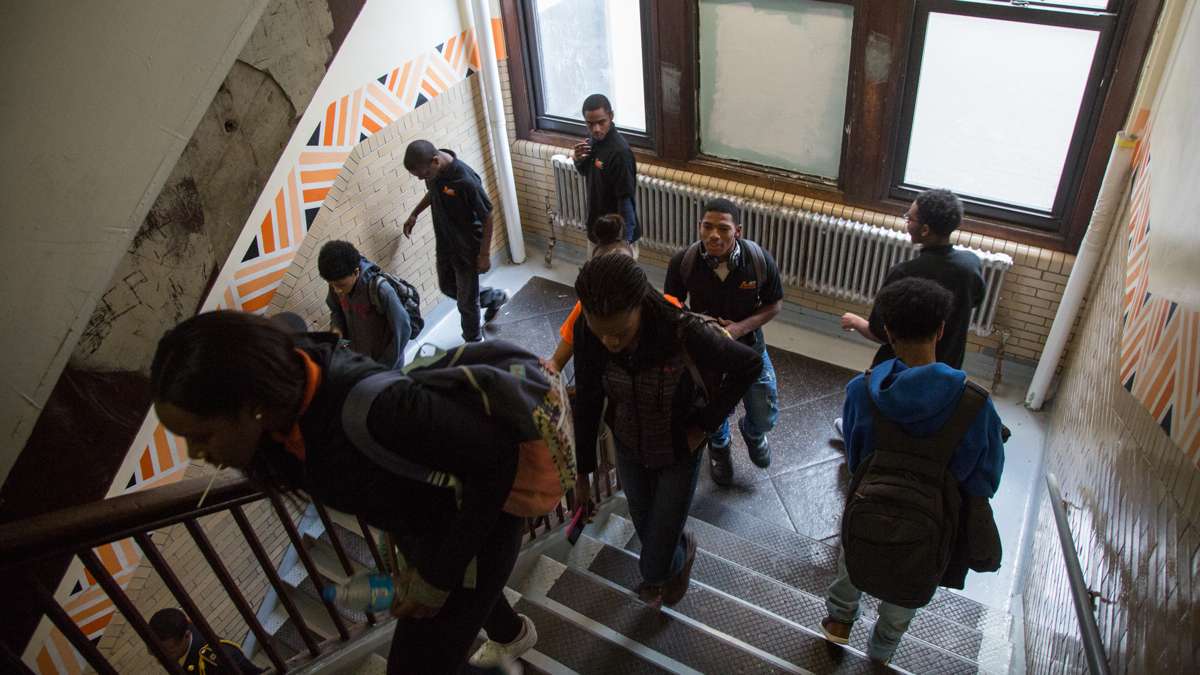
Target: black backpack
903,507
759,260
409,298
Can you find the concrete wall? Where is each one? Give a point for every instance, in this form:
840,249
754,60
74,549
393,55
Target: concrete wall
101,99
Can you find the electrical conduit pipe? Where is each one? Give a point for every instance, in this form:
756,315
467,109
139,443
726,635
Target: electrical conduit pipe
1112,195
493,97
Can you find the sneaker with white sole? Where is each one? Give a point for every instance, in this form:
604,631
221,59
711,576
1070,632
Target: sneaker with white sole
837,427
496,654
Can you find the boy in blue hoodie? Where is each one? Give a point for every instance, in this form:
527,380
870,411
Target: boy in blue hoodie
920,395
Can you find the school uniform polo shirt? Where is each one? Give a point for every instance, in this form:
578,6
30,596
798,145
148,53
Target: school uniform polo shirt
735,297
611,174
460,205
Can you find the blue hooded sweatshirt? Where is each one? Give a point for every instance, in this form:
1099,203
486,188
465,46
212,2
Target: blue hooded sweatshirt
921,400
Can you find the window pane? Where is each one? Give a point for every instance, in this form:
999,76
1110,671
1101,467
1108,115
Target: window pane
996,107
773,77
592,47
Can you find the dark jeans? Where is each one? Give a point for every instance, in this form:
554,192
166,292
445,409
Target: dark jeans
458,278
439,644
659,500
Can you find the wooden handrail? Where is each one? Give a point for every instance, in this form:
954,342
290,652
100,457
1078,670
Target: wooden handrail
68,530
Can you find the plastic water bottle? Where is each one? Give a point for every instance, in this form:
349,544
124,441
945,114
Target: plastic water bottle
370,592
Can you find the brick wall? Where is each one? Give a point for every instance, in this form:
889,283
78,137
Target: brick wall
1027,305
122,645
1137,525
374,195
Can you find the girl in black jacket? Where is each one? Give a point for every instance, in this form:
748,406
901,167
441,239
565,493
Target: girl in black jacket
644,354
248,395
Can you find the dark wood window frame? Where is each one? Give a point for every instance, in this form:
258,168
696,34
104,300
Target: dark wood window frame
875,103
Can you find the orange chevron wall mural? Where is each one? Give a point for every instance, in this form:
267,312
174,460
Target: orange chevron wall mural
1160,341
159,458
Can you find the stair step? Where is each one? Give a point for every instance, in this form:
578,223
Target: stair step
667,638
316,617
576,649
735,616
795,589
374,664
326,559
946,603
353,543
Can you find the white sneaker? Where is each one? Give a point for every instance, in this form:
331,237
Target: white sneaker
493,654
837,427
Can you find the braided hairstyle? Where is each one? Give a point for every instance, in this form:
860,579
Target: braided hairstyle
611,284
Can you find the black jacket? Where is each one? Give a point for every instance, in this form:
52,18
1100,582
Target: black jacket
732,363
440,430
957,271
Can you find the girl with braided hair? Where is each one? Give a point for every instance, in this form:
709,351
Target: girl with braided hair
670,379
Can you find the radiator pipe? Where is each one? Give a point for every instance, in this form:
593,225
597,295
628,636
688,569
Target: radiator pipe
493,96
1112,193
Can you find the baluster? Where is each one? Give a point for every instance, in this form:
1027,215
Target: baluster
235,593
264,561
185,600
366,533
100,573
71,631
339,549
286,519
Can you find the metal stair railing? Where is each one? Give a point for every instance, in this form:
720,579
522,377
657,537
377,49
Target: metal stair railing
1082,596
78,530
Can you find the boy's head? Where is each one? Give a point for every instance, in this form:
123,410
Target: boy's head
338,264
720,226
170,626
914,310
933,215
597,115
422,159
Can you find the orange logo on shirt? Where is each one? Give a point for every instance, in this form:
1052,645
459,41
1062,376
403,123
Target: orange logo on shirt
748,285
446,190
598,164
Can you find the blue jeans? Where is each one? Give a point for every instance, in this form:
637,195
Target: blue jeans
659,500
842,604
762,408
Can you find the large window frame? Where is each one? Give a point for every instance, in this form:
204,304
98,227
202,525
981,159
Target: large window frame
565,125
878,109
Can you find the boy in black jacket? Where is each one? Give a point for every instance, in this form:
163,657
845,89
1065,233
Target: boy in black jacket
930,220
462,228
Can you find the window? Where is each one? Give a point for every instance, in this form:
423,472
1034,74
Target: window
757,103
1013,105
1000,106
582,47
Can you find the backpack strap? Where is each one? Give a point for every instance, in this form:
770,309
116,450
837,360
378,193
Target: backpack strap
689,262
373,291
757,256
355,410
945,441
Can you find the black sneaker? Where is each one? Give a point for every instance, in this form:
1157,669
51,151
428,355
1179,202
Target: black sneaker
719,465
494,306
760,453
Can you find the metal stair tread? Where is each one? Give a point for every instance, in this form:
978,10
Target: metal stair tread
787,620
713,518
929,627
659,631
576,648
